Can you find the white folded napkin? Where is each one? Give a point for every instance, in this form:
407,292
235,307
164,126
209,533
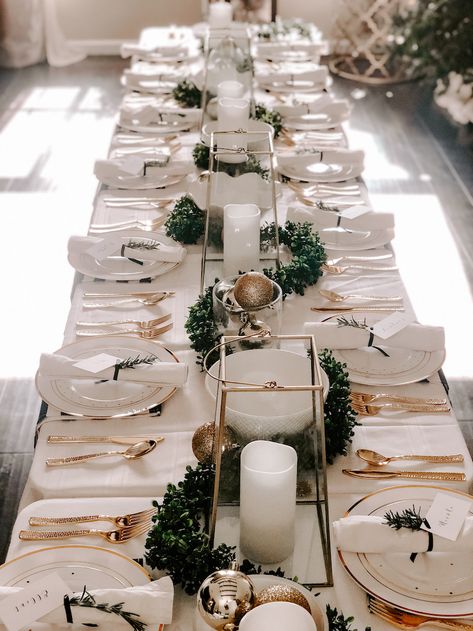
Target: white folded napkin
150,113
78,245
327,219
328,156
161,373
301,109
114,168
413,336
157,74
366,533
315,76
171,50
152,602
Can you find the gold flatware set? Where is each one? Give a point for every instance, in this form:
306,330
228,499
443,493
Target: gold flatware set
127,527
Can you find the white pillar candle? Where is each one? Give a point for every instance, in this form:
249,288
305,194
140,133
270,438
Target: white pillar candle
232,89
278,616
268,477
233,113
220,14
241,238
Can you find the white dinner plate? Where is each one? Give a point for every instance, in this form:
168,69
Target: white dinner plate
166,127
261,581
370,367
437,584
97,398
322,171
298,85
119,267
97,568
354,240
137,182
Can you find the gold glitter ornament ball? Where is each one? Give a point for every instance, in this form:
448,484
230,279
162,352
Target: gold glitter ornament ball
203,442
282,593
253,290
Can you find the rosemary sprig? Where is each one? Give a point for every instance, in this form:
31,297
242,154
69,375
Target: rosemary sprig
408,518
133,362
143,245
87,600
351,321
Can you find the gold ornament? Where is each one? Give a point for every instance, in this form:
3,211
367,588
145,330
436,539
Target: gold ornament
253,290
282,593
203,442
224,598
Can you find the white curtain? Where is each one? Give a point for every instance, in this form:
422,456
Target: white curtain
31,33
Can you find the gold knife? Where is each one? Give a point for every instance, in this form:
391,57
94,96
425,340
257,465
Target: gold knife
118,440
89,294
419,475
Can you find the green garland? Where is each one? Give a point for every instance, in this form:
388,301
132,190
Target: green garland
187,94
308,256
201,156
178,542
186,221
262,113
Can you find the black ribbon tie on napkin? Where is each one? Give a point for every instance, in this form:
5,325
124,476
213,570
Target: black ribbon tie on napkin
430,545
371,340
122,253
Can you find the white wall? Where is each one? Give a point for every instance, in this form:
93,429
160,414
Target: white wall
124,19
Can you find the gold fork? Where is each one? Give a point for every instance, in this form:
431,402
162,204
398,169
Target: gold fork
372,410
146,334
407,621
149,300
142,324
146,225
129,519
364,398
119,535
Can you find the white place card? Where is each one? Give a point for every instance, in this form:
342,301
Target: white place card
96,363
133,165
33,602
447,515
392,324
352,212
105,247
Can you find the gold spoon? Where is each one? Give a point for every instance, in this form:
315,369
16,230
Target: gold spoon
132,453
334,297
373,457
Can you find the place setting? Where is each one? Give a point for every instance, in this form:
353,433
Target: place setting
125,255
138,375
398,547
138,172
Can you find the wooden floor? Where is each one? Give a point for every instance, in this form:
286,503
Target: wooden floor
55,122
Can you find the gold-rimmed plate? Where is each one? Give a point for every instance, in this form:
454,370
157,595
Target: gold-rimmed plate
437,584
95,567
99,398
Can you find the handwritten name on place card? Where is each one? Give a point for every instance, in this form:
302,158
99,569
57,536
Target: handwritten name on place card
447,515
33,602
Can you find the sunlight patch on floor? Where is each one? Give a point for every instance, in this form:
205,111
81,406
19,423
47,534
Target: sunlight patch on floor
433,274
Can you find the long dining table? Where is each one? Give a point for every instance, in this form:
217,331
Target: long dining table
113,489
